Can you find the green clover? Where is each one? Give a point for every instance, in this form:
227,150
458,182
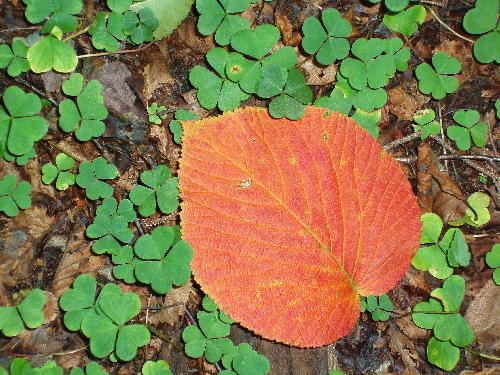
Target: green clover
483,19
20,125
176,126
215,90
60,172
85,116
124,269
407,21
327,39
60,13
110,226
340,99
160,367
426,123
21,366
92,368
244,360
493,261
218,16
156,113
379,308
497,107
52,53
119,6
438,257
139,27
21,159
438,80
107,32
78,302
368,120
14,59
468,126
14,196
477,214
159,188
90,176
108,330
29,313
441,314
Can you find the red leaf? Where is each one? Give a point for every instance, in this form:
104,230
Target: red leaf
291,220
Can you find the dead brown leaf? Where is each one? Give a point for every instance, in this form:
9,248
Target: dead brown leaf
402,345
290,37
172,306
405,100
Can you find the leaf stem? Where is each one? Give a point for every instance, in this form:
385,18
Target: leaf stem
115,53
483,355
431,11
77,33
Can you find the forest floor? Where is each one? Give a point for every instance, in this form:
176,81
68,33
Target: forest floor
46,247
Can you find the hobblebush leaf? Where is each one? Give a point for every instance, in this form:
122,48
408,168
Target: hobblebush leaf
305,219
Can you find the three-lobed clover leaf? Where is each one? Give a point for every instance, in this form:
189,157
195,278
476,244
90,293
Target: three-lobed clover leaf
407,21
92,368
161,260
218,16
438,257
60,172
244,360
468,126
340,99
425,122
21,159
438,80
156,113
176,126
14,196
160,367
78,302
483,19
14,58
52,53
90,176
493,261
108,330
159,189
29,313
441,314
379,307
21,366
139,27
477,214
368,120
20,124
216,90
110,226
107,32
85,116
327,39
60,13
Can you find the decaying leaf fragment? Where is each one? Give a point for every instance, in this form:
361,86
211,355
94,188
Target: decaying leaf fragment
290,221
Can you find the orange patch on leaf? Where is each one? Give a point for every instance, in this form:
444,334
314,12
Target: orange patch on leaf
285,248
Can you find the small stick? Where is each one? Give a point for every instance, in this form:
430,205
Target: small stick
401,141
413,159
448,27
115,53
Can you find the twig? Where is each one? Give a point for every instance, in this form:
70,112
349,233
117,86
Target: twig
431,3
401,141
115,53
413,159
20,28
448,27
483,355
138,225
77,33
442,134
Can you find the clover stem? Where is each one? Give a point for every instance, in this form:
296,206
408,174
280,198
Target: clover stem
20,28
77,33
115,53
431,3
483,355
447,27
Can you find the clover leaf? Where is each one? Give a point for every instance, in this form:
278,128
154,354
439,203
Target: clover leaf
426,123
78,302
477,214
497,107
161,260
156,113
483,19
218,16
468,126
327,39
20,125
124,269
378,307
441,314
14,196
119,6
85,116
160,367
92,368
493,261
21,366
59,172
176,126
21,159
107,32
407,21
29,313
215,90
108,330
438,257
14,59
438,80
368,120
139,27
50,52
159,188
110,226
60,13
246,361
340,99
90,176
